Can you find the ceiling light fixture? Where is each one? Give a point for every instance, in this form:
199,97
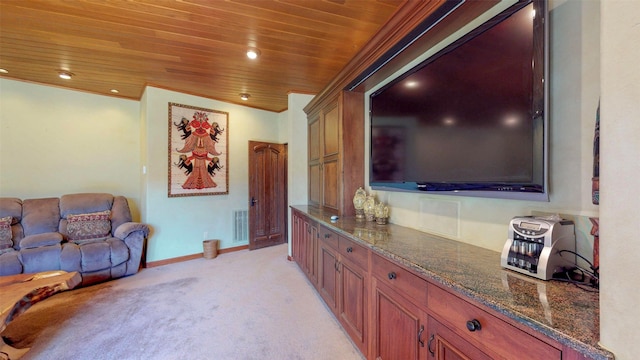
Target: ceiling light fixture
65,74
244,96
114,91
253,53
4,71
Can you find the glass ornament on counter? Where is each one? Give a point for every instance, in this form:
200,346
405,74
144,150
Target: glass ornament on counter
370,208
382,213
358,202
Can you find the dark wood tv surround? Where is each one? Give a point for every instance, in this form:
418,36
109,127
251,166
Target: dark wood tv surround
336,114
392,290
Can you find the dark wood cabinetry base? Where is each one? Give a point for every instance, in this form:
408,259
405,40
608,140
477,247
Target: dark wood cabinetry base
390,311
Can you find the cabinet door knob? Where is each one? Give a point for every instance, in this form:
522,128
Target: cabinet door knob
392,275
349,249
473,325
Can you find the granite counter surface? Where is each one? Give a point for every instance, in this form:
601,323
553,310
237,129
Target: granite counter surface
562,311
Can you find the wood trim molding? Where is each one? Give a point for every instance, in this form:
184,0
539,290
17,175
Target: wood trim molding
400,24
192,257
233,249
408,17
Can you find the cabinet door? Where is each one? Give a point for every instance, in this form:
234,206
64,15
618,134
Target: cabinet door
304,245
297,234
445,345
327,275
314,139
336,152
311,255
315,162
330,182
352,302
330,156
315,184
399,326
331,130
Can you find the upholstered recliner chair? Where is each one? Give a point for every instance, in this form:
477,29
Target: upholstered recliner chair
89,233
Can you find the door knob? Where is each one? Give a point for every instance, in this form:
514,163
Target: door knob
253,201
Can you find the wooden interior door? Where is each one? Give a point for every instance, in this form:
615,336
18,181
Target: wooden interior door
267,194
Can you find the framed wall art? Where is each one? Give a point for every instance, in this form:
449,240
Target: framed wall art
198,151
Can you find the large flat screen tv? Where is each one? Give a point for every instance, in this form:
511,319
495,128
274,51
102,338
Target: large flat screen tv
471,119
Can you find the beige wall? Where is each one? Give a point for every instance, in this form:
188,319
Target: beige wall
179,224
620,177
55,141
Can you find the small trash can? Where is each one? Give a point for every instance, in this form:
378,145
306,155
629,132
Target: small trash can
210,248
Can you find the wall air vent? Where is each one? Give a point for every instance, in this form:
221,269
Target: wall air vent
240,225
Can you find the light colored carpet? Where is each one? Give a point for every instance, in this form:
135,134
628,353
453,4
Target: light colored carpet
241,305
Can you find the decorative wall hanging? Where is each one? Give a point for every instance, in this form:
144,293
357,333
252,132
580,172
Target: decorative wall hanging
198,151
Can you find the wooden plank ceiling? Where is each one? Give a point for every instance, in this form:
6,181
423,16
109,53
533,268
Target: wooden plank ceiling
191,46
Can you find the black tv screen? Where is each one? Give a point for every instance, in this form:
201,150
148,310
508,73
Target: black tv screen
470,118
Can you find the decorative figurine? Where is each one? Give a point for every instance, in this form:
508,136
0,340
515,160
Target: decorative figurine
382,213
358,202
370,208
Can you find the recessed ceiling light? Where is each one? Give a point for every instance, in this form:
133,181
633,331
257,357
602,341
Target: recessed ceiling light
65,74
412,84
244,96
114,91
4,71
253,53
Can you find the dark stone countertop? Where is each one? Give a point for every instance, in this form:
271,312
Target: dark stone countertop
562,311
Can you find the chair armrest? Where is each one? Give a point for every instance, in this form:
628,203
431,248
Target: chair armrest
38,240
125,229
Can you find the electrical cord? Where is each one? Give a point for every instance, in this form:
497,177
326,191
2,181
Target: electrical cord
594,281
590,287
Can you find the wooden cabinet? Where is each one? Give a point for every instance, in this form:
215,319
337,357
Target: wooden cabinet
304,245
343,283
336,152
324,157
315,163
398,326
444,344
327,274
392,312
471,331
353,299
296,236
311,250
399,323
